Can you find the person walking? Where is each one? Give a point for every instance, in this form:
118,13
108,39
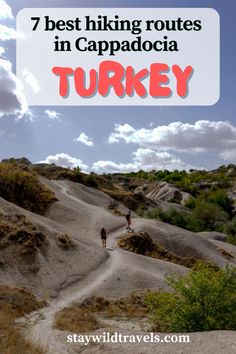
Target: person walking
128,221
103,234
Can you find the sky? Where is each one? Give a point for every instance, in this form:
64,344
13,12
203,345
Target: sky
112,138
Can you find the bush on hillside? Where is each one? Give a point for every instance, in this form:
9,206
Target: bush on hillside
230,227
18,161
172,216
202,300
142,243
230,230
18,301
190,203
231,239
220,198
205,217
19,185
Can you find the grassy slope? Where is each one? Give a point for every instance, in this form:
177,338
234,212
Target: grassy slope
15,303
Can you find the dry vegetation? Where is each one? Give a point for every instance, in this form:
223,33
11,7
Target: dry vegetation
76,319
20,185
15,303
225,254
83,317
54,172
113,206
142,243
16,230
18,302
65,242
131,200
103,183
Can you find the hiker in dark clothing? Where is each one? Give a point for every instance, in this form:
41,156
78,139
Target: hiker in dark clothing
128,221
103,237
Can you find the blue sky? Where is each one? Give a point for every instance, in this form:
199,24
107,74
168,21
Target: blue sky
108,139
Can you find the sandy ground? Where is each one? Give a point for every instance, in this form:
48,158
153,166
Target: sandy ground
73,275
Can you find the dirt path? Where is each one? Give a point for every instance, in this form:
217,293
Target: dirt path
40,323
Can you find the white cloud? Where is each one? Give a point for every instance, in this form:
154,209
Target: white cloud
12,99
65,160
31,80
122,132
5,10
229,155
112,167
201,136
53,115
8,33
27,116
2,51
158,160
84,139
145,159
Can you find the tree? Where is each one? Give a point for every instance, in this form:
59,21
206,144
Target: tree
206,216
202,300
220,198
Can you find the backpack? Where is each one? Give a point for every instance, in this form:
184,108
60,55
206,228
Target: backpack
128,217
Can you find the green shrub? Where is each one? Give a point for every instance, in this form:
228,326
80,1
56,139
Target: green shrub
220,198
18,161
77,175
178,218
231,239
172,216
230,227
91,181
155,213
202,300
205,217
190,203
